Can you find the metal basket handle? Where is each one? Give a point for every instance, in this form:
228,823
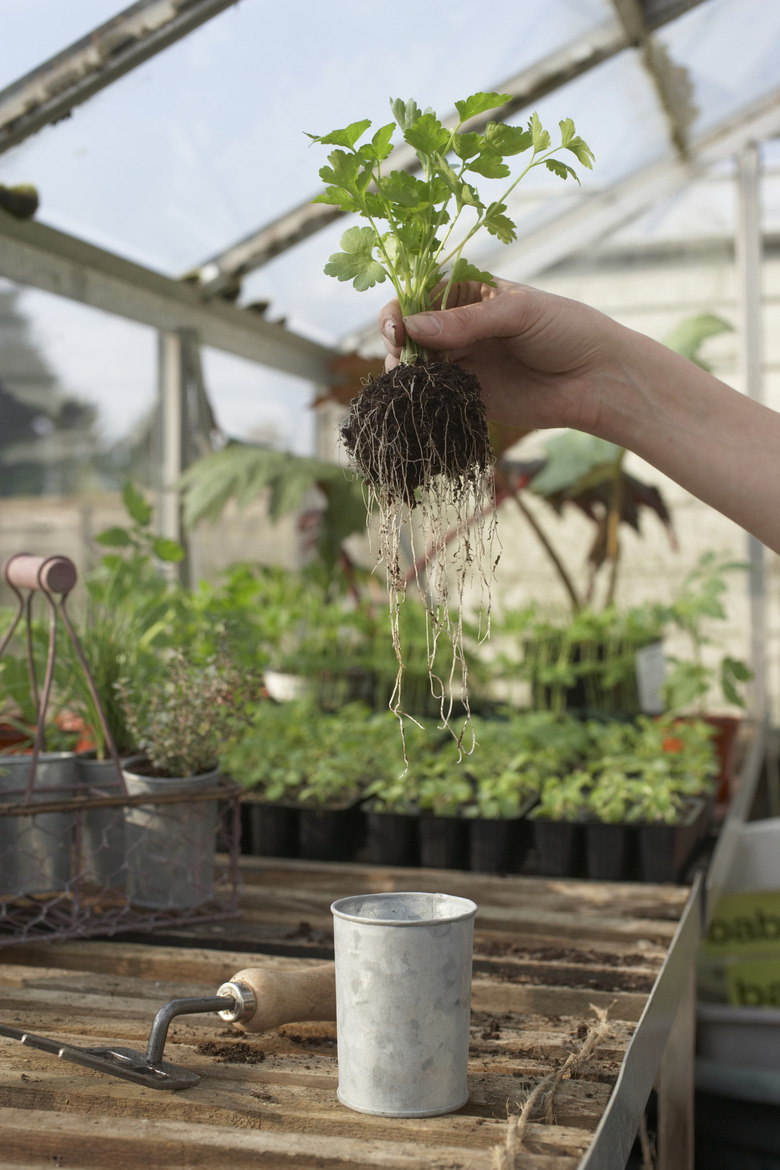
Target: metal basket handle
25,574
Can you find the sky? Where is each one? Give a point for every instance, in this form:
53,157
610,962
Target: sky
205,143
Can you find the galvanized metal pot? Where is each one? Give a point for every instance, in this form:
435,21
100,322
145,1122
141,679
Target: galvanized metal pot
36,850
170,847
403,1001
103,829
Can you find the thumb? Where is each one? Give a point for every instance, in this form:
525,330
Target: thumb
462,325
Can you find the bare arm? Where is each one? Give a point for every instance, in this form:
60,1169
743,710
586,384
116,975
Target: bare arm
545,361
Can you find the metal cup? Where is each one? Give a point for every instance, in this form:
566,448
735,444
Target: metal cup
403,1000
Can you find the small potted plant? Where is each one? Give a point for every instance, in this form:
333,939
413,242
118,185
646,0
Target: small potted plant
306,771
182,722
646,802
583,664
557,824
691,679
443,790
673,793
515,754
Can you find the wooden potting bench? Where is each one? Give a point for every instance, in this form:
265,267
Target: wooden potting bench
582,1004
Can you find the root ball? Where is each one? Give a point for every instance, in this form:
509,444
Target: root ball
415,424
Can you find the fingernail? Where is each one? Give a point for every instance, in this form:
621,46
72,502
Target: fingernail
388,328
423,324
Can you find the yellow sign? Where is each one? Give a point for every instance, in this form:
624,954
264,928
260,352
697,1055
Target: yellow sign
754,984
745,924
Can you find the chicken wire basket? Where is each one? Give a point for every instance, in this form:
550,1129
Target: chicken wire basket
85,850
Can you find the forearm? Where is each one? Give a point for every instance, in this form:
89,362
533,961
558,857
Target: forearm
717,443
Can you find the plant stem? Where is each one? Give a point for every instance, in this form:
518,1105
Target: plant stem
566,580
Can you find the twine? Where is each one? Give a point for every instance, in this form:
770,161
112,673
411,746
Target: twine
505,1156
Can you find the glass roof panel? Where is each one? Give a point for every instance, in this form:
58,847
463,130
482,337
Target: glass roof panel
731,50
204,143
35,30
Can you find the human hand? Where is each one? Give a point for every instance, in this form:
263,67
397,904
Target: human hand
542,360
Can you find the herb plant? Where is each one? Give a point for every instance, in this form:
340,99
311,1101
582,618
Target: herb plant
420,247
418,434
184,719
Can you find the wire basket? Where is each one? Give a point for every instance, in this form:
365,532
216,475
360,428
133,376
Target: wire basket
82,855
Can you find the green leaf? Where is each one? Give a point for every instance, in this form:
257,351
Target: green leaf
381,143
342,171
169,551
346,137
499,224
468,196
289,487
480,103
112,561
455,184
567,131
405,113
466,146
356,262
136,505
540,139
490,164
689,336
462,270
571,457
114,538
338,197
579,147
427,135
561,169
403,189
507,140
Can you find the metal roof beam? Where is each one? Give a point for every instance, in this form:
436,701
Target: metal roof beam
39,256
672,82
51,91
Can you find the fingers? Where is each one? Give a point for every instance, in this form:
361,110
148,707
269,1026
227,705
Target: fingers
391,327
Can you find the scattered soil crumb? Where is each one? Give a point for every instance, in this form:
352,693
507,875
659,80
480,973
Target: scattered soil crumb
238,1052
492,1031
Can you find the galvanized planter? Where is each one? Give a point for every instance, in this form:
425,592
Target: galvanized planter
403,998
36,850
170,846
102,845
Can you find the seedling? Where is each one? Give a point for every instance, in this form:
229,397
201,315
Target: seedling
418,434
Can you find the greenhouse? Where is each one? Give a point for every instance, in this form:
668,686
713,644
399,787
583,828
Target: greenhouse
405,729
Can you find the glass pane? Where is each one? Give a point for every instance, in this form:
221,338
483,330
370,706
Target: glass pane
205,142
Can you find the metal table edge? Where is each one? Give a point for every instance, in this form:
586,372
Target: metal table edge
617,1129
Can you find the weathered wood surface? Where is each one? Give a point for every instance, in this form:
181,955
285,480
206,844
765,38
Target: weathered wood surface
546,953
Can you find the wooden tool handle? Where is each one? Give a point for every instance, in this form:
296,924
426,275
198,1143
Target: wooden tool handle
288,997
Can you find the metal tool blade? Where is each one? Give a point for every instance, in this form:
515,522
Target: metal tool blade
126,1063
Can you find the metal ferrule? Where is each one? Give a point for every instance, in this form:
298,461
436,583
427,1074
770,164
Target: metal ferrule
244,1002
